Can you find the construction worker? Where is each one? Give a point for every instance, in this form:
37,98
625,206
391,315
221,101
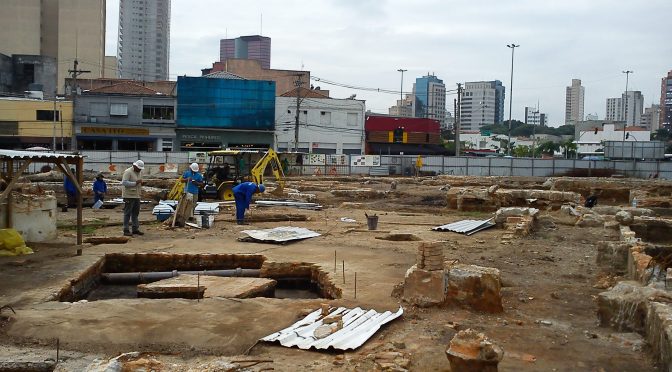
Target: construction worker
243,196
193,180
99,188
131,183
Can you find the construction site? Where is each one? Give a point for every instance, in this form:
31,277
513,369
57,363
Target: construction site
409,272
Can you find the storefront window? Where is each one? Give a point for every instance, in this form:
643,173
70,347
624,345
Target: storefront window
94,144
130,145
158,112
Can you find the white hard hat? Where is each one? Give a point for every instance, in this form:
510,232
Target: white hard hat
140,164
194,167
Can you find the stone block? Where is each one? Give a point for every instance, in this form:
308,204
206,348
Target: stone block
624,307
612,257
470,351
590,220
423,288
187,286
624,218
504,213
474,286
659,332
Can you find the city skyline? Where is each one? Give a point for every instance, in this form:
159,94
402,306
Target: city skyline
558,42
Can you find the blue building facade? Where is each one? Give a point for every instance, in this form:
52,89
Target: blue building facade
224,112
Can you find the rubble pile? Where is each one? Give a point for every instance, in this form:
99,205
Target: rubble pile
471,351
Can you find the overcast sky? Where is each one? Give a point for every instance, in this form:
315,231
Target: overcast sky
365,42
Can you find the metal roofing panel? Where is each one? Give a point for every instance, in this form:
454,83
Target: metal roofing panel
358,326
16,154
281,234
467,227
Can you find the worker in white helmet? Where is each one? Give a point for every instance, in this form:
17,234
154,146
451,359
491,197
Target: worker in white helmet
193,180
131,183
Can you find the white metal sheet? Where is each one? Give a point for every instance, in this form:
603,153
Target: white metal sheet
281,234
467,227
358,326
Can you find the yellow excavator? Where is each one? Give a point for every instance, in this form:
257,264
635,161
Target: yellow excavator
228,168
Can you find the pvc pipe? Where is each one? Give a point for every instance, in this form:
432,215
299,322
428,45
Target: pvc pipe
147,277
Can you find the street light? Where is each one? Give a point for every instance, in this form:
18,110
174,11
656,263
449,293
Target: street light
513,49
625,118
401,92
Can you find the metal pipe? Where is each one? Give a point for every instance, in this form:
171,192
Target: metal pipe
147,277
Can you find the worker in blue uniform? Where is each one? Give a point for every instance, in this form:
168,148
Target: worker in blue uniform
99,188
243,196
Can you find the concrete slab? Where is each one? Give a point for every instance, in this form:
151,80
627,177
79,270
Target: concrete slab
187,286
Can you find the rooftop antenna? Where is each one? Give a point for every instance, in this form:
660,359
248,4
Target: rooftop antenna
261,23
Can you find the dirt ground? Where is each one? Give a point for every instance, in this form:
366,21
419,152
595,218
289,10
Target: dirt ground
548,323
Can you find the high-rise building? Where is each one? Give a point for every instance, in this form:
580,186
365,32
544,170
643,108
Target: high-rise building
534,117
66,30
482,104
247,47
614,109
111,67
651,118
666,101
574,102
144,39
403,108
634,106
430,99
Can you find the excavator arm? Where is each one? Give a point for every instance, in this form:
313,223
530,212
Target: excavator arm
257,173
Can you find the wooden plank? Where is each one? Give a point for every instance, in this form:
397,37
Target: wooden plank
12,183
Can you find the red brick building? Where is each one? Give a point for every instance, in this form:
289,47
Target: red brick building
392,135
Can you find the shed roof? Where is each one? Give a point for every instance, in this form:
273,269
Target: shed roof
35,155
127,88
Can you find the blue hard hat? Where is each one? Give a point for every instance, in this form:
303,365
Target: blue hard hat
262,188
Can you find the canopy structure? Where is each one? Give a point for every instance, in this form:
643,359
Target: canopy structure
13,164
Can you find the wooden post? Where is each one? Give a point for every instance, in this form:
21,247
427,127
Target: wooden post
10,178
80,182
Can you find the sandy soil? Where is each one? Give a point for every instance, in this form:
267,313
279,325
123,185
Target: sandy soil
547,276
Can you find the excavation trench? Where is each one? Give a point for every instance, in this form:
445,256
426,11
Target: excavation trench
194,276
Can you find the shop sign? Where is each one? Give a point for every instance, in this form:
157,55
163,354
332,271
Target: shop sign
111,131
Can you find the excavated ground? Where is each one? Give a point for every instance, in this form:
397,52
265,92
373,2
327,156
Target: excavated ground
548,324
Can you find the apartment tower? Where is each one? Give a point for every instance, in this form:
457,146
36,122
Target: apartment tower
144,39
666,101
482,104
574,103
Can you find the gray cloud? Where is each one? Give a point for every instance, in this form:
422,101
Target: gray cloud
365,42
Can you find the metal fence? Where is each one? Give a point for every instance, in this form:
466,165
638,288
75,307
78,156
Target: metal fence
404,165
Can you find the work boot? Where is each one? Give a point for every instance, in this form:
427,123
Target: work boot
127,233
243,223
138,232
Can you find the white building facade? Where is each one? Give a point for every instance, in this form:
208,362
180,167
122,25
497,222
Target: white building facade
589,141
326,125
144,39
614,109
482,104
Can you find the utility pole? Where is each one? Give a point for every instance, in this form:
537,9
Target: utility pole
458,119
625,102
298,84
53,133
513,49
401,92
75,72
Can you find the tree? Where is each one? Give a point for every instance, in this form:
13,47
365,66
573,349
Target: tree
548,147
662,134
521,151
569,148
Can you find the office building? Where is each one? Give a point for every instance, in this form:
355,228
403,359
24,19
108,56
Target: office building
393,135
403,108
326,125
144,39
430,99
614,109
285,80
223,110
253,47
62,29
666,101
124,115
574,101
651,118
534,117
634,107
111,68
482,104
30,123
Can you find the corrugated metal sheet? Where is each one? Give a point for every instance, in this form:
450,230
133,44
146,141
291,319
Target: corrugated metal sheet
358,326
466,227
281,234
35,155
288,203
